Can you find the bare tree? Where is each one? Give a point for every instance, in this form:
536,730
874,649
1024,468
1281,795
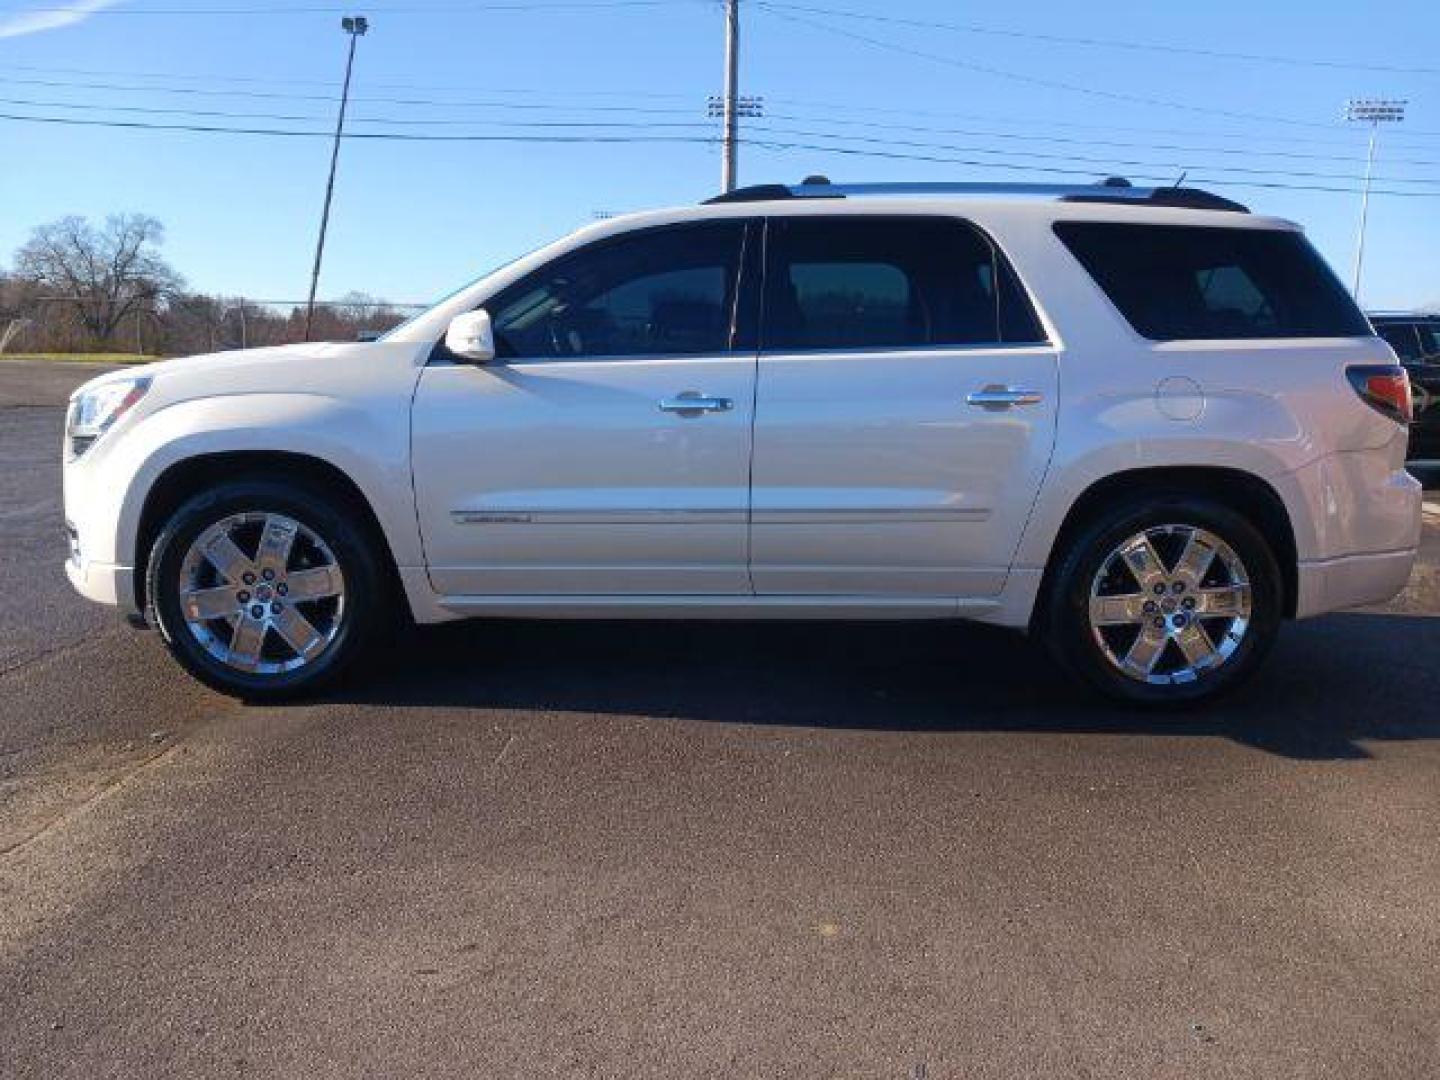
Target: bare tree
106,273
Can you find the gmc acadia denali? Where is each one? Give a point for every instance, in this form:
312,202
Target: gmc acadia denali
1145,425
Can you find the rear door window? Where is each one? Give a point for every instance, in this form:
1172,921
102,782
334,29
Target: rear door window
1174,282
890,282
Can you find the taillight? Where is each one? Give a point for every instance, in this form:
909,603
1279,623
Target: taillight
1385,388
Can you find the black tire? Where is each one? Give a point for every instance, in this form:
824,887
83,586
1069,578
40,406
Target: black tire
1065,612
367,599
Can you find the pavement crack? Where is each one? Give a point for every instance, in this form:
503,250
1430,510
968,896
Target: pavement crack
504,750
112,785
57,650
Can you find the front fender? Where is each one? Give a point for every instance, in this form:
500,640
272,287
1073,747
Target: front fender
368,442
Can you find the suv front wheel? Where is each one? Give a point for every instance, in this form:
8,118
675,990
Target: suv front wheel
1165,600
264,590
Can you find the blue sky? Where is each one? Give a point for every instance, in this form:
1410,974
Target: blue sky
1000,86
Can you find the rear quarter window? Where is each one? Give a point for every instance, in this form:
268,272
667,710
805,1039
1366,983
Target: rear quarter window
1182,282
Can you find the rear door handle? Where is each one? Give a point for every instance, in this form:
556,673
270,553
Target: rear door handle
694,403
997,398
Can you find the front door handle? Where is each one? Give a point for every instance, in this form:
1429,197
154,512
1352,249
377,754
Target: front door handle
997,398
694,403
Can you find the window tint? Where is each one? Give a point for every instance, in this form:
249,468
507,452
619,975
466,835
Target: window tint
1401,338
1183,282
871,282
660,292
1430,341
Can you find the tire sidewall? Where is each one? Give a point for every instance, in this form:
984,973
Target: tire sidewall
1071,637
351,550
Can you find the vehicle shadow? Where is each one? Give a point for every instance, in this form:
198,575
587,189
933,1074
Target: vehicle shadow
1331,685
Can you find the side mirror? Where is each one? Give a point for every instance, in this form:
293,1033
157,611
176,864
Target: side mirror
471,337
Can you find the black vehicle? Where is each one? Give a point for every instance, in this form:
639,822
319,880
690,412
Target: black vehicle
1416,341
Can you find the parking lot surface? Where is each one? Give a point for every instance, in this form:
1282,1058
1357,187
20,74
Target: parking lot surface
683,850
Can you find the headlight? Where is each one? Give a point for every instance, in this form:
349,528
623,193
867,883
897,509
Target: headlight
94,412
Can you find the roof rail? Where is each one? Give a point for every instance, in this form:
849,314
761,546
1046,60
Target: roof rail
1115,189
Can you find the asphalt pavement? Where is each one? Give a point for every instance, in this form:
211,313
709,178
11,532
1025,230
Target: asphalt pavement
539,849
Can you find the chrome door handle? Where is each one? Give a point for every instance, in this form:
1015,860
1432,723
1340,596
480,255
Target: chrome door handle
694,403
997,398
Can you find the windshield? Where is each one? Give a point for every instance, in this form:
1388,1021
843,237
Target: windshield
454,293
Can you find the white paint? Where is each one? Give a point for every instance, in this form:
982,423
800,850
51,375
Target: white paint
852,484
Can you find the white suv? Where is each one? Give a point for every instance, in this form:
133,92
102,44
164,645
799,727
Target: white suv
1143,424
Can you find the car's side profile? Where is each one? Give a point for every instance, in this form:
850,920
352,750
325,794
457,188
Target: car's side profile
1146,426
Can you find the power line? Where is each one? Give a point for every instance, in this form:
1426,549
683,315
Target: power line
695,140
332,9
384,85
424,122
395,121
613,125
263,95
1336,134
1091,141
1105,162
1196,176
392,136
431,122
1103,43
1033,80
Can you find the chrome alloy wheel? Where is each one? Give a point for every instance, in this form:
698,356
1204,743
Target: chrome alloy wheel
1170,604
262,593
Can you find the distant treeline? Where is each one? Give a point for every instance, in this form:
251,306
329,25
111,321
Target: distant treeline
76,287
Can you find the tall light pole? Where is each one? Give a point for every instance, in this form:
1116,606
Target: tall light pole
732,91
1372,111
355,26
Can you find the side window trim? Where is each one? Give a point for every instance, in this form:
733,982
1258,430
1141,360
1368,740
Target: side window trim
1323,297
737,285
747,301
1001,268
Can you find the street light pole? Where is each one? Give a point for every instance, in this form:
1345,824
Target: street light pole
355,26
1372,111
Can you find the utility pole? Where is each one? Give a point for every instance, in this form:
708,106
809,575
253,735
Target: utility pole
1372,111
355,26
728,146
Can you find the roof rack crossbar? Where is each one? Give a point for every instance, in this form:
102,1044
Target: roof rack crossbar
802,191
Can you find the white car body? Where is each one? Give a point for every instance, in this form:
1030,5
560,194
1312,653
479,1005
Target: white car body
855,484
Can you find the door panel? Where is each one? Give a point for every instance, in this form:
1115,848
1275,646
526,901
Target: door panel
607,451
873,476
567,478
873,472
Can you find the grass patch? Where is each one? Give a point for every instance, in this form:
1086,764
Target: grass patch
82,358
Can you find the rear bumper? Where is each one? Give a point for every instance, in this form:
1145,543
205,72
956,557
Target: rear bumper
104,583
1352,581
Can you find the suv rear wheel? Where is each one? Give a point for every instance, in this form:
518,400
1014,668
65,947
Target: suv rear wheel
264,590
1165,600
